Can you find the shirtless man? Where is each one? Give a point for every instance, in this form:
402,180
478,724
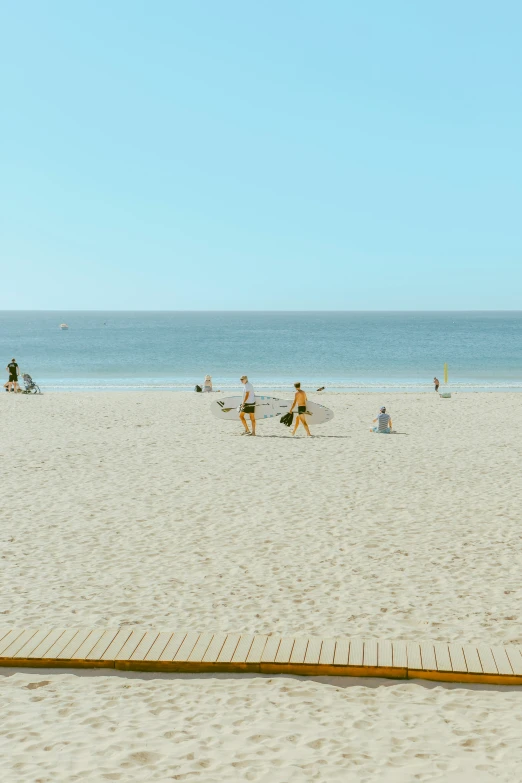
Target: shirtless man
300,401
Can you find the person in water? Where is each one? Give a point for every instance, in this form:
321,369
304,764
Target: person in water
248,406
300,401
383,421
14,371
437,384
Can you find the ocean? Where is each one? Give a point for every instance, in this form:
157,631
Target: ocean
344,351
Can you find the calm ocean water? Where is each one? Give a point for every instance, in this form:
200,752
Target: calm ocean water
345,351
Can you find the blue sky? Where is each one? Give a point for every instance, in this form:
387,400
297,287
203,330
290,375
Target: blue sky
276,155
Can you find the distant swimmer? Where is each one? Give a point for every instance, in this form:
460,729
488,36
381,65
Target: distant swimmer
248,406
437,384
383,421
300,401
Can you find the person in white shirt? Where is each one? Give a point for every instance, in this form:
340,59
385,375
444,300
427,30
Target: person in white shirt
207,385
384,422
248,406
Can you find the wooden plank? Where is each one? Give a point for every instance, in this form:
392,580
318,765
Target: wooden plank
229,648
327,652
284,651
92,639
313,651
370,652
256,651
270,651
96,654
243,648
9,638
458,662
140,653
155,652
17,643
214,648
4,631
356,655
502,661
68,651
413,655
200,647
60,644
342,651
515,659
400,655
443,657
33,642
173,645
486,658
429,661
117,643
186,648
130,645
384,653
51,638
299,650
472,659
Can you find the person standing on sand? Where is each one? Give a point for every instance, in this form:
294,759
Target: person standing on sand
300,401
248,406
14,371
437,384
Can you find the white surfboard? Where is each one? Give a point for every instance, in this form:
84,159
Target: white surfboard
315,413
268,407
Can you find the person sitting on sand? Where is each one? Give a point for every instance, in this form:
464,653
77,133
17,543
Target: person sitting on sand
248,406
300,401
384,422
207,384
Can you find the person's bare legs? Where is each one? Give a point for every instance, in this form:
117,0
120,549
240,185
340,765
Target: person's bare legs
253,423
242,417
297,420
305,425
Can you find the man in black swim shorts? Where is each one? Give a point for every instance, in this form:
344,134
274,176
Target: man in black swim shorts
248,406
14,371
301,401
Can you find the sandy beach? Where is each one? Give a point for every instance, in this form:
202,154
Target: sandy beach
142,509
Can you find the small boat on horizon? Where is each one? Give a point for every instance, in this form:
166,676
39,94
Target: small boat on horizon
63,326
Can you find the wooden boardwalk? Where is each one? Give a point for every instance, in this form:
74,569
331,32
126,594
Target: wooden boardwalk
180,651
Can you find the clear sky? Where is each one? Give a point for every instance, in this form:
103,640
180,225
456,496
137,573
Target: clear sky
287,154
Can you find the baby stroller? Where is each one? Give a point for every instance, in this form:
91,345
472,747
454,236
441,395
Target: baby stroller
30,386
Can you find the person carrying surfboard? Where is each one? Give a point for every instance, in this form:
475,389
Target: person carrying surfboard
300,401
248,406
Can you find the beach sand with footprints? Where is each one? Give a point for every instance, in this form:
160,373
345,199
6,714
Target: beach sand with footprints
142,509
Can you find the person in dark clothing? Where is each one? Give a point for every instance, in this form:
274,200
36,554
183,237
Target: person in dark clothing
437,384
14,371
